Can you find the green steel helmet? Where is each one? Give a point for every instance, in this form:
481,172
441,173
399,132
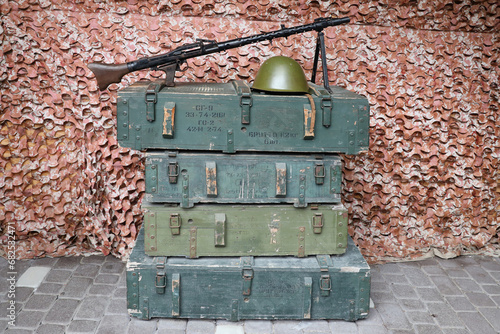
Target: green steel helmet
281,74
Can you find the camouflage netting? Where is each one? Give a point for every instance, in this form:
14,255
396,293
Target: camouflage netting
428,185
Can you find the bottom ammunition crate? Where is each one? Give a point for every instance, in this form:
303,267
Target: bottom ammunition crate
234,288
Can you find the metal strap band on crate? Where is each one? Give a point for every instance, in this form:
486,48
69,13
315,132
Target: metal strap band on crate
245,100
307,297
309,118
220,230
211,178
176,297
168,120
280,179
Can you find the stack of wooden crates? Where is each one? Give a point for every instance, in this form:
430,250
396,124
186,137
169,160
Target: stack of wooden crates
243,218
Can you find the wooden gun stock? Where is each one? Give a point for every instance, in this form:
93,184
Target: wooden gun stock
107,74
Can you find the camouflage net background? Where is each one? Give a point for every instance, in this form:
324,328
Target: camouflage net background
430,183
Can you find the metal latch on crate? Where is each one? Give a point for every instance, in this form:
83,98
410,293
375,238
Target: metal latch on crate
151,98
319,173
173,172
161,274
317,222
247,274
325,282
175,223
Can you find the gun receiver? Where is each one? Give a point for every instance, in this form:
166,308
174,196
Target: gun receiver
107,74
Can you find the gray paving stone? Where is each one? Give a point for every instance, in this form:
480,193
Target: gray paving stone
113,267
383,297
465,261
429,294
51,329
491,289
58,276
492,314
229,328
137,326
467,284
456,331
39,302
23,293
446,286
476,323
496,299
120,293
373,329
258,327
177,324
403,291
313,326
417,277
62,311
434,270
50,288
449,263
286,327
3,325
480,275
412,304
87,270
18,331
432,261
92,308
117,306
396,279
113,324
46,261
480,299
69,263
29,319
107,279
200,327
171,331
83,326
489,263
101,289
460,303
391,268
393,316
420,317
457,273
444,315
427,329
76,287
344,327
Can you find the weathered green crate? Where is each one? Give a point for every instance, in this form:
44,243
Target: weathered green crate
234,288
190,178
237,230
230,117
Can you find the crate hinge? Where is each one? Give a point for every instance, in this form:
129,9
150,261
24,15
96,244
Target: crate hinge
335,179
230,141
319,173
325,283
161,274
247,274
173,172
302,242
220,230
302,190
317,222
151,99
175,223
211,178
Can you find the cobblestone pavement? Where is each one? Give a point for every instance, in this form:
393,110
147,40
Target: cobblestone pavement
88,295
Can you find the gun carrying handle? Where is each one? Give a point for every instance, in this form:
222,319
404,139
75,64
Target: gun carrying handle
107,74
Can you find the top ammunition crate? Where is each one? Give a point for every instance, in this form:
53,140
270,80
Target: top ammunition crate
230,117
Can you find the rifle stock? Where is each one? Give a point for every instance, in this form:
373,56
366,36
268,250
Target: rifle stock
107,74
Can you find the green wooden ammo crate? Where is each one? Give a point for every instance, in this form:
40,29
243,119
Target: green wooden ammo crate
230,117
234,288
190,178
237,230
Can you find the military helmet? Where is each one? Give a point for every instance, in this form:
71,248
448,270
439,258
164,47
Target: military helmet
281,74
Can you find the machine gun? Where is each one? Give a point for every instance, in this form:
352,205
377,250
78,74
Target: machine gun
107,74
